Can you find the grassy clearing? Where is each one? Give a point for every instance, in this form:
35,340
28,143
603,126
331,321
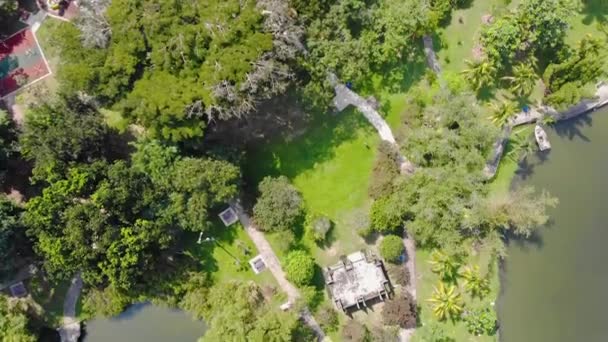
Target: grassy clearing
592,13
426,280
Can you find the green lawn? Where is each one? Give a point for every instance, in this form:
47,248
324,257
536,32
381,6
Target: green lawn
330,165
426,280
591,14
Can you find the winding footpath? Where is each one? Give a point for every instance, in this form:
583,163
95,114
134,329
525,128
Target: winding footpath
70,326
273,264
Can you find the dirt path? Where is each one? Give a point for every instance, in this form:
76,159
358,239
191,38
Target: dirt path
410,250
273,264
70,328
431,57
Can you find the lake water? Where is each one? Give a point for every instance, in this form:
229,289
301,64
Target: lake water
555,286
145,323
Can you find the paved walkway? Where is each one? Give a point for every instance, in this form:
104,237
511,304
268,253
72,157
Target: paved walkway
273,264
346,97
431,57
70,327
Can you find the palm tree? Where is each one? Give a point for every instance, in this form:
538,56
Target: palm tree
523,80
479,73
476,285
447,302
445,266
502,111
521,145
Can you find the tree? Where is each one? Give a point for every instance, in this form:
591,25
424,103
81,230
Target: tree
480,73
386,169
400,311
392,248
481,322
60,134
108,302
445,266
387,214
300,267
11,235
519,211
447,302
476,285
317,227
93,24
502,111
279,205
15,324
523,80
8,13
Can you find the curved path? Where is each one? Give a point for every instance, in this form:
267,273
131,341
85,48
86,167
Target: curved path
273,264
70,327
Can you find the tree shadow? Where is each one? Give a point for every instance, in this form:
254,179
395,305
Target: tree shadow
572,128
594,11
534,241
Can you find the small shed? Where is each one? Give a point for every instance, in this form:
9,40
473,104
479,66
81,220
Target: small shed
257,264
228,216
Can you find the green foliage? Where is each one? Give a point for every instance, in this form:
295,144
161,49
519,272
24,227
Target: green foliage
300,267
480,74
387,214
447,302
445,266
11,235
502,111
570,94
15,323
237,312
60,134
523,80
476,285
391,248
173,66
386,169
481,322
433,332
520,211
535,27
107,302
317,227
279,206
400,311
327,317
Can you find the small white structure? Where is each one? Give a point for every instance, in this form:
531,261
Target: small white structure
257,264
18,290
541,138
228,216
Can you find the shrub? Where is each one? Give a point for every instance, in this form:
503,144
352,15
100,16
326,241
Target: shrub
317,227
481,322
399,275
400,311
386,168
385,334
328,318
387,214
300,267
106,303
391,248
354,331
279,205
286,242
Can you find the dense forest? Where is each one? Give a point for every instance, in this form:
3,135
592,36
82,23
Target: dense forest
123,207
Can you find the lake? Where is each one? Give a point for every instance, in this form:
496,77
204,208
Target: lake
145,323
554,286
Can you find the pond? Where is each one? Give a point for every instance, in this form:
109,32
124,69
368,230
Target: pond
554,286
145,323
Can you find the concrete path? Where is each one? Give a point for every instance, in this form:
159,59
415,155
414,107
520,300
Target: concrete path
70,327
273,264
346,97
431,57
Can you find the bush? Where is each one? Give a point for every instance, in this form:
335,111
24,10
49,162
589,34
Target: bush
400,311
399,275
386,169
391,248
286,242
354,331
300,268
279,205
328,318
386,334
106,303
481,322
387,214
317,227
